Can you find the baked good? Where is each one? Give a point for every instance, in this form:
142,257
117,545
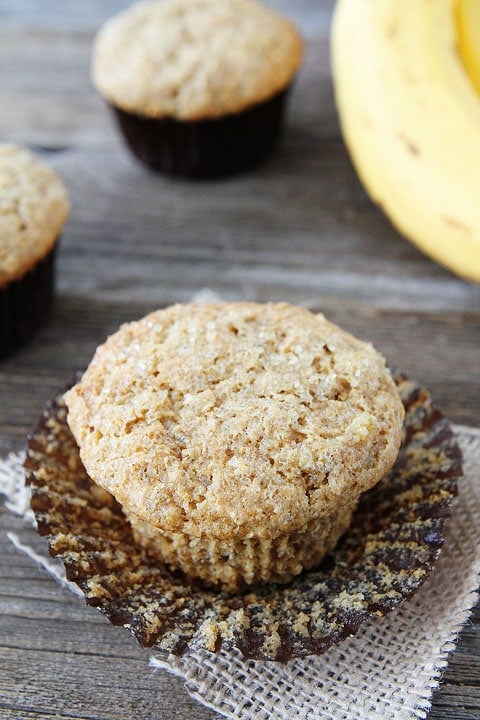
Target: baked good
33,209
389,550
198,86
238,437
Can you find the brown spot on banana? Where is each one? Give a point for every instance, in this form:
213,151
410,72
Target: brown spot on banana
392,30
412,148
458,224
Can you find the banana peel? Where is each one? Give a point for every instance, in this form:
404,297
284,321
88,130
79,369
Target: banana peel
410,117
468,30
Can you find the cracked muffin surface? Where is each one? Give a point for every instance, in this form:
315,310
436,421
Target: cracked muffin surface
235,420
194,59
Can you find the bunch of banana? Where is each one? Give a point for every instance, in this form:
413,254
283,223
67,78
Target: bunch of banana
407,85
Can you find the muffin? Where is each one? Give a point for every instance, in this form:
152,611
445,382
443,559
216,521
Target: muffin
388,551
198,86
238,437
33,209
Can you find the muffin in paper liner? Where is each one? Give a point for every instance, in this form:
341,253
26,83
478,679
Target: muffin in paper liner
198,87
33,209
388,551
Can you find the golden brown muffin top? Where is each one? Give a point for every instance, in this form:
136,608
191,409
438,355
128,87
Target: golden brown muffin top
235,419
33,209
194,59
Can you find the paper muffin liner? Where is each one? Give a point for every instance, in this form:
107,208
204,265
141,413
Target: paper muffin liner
25,304
205,148
235,564
389,550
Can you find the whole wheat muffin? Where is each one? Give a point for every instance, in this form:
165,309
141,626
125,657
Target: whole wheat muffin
33,209
197,85
237,436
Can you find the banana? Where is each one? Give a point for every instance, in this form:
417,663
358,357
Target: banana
410,117
468,29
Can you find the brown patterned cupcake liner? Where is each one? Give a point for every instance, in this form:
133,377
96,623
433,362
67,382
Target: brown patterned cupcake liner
25,304
205,148
388,551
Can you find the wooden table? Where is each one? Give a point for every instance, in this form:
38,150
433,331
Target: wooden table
300,229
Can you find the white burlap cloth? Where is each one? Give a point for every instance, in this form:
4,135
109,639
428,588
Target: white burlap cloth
386,672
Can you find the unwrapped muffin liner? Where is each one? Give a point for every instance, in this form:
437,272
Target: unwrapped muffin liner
389,550
206,148
25,304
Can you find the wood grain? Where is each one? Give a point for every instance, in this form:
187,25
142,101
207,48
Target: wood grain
299,228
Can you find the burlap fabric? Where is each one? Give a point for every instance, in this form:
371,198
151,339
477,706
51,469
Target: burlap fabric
388,670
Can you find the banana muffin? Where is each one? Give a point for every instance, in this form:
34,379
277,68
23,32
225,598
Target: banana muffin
238,437
33,209
197,86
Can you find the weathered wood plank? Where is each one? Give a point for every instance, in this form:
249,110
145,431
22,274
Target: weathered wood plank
38,680
61,659
164,239
455,703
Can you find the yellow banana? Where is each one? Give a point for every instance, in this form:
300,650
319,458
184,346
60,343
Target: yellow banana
468,29
410,117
